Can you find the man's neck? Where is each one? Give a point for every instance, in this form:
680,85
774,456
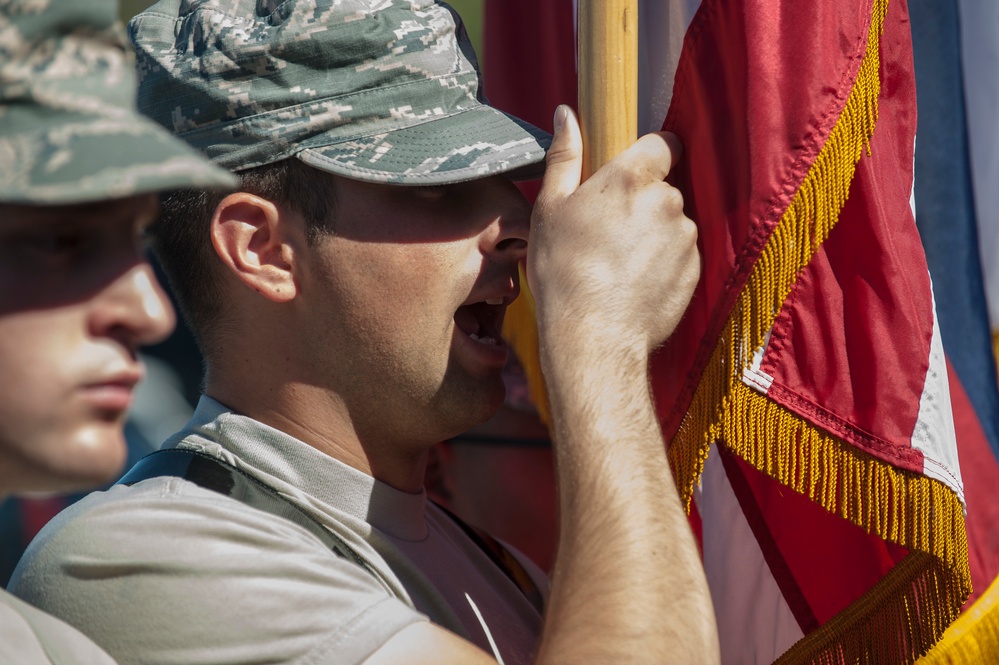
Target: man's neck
320,419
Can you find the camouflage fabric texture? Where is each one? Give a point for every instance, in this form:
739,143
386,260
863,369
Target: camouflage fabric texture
377,90
69,128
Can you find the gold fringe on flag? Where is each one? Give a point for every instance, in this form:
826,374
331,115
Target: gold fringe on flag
974,637
906,611
902,616
892,623
805,225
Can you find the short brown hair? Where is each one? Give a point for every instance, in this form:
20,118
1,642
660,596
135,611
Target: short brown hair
181,240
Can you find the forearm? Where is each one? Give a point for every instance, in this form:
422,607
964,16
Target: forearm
628,584
613,263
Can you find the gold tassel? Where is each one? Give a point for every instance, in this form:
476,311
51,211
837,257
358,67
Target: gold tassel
974,637
845,480
906,611
892,623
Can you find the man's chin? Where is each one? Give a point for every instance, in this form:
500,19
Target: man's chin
474,405
92,457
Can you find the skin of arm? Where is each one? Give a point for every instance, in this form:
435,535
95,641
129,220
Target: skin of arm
612,265
628,584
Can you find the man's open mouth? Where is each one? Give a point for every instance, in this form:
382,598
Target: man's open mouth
482,321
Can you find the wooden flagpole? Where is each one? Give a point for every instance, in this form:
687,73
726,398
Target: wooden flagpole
608,78
608,114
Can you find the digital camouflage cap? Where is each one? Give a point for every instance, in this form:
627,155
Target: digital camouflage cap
376,90
69,128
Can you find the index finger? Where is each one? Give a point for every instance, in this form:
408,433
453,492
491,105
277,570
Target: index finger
656,153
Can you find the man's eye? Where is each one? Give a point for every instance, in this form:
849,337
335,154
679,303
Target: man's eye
431,192
56,246
62,242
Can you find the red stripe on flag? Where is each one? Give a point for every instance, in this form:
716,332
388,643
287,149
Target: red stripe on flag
753,114
981,481
831,562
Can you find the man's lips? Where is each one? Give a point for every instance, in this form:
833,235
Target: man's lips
114,393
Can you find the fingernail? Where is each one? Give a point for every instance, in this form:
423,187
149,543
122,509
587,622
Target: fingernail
561,113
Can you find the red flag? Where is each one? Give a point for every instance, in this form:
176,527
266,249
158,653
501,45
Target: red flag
832,509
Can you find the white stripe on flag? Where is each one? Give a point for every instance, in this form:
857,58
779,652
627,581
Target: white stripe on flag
661,27
934,434
755,624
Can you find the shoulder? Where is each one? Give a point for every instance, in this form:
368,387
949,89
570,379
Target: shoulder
29,636
225,578
166,519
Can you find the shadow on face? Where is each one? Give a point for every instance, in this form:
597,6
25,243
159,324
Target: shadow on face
372,212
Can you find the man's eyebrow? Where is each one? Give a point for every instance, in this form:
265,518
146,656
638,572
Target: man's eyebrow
145,212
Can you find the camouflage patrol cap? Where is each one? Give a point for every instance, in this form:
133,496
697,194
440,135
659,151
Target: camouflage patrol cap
69,128
377,90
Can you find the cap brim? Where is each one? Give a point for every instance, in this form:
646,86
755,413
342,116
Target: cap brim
89,159
475,143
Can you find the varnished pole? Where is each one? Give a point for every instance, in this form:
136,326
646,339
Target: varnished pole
608,78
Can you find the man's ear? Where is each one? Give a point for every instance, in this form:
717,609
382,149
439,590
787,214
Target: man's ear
251,238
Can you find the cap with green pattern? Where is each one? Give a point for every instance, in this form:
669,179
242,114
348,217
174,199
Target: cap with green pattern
383,91
69,128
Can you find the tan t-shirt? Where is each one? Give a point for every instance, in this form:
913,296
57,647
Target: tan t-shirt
168,572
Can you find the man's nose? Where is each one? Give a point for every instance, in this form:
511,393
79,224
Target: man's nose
133,308
511,227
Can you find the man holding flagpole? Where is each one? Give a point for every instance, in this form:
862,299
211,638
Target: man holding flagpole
348,299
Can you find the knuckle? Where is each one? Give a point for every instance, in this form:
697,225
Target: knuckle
687,229
672,200
631,180
659,150
657,147
615,182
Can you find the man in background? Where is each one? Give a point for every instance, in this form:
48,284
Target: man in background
79,173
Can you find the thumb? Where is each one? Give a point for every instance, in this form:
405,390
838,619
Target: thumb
564,162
